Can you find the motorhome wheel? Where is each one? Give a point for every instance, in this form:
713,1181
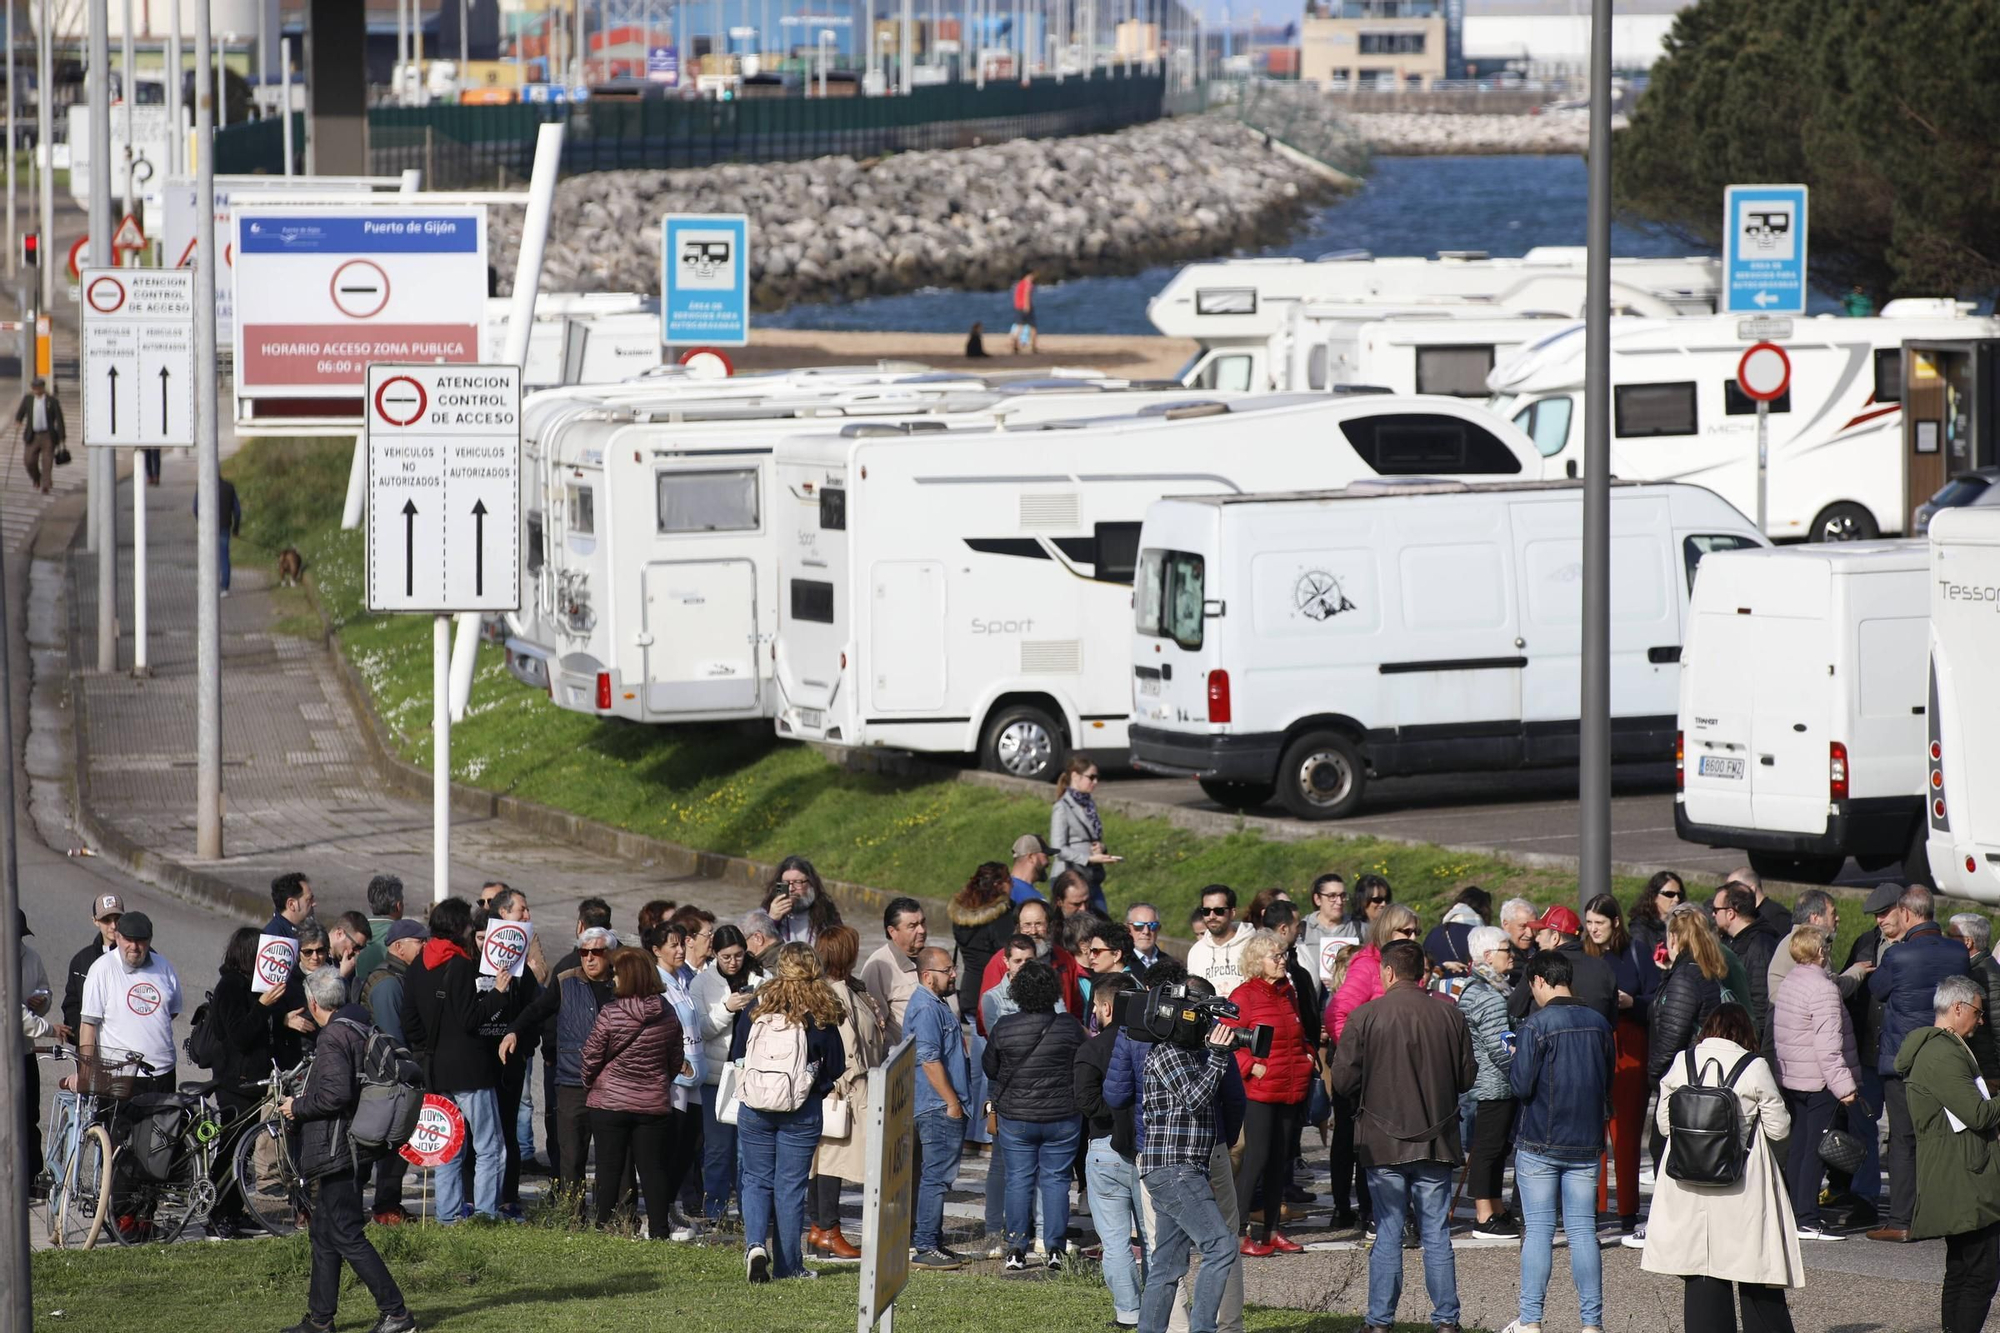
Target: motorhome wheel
1321,776
1845,522
1024,742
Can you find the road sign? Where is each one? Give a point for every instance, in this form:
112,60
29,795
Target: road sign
138,357
662,65
439,1135
1764,373
887,1190
324,291
444,487
154,145
1758,329
1764,249
707,363
129,235
705,279
75,263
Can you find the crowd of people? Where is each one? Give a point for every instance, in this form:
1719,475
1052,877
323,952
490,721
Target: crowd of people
707,1077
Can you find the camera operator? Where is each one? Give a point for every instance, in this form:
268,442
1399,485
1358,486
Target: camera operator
1182,1076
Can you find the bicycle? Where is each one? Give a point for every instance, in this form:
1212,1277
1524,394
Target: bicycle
78,1148
213,1153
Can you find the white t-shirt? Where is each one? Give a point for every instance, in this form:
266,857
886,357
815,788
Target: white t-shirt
134,1008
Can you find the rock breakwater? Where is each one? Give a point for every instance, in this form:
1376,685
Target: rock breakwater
1416,133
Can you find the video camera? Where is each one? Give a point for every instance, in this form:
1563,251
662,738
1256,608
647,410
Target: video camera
1170,1013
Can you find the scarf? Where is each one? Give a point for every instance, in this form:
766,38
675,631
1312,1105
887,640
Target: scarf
1494,979
1088,805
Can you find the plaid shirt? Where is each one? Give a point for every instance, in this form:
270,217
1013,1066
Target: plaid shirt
1179,1093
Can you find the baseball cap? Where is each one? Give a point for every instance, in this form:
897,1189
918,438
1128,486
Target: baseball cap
1562,919
406,928
1884,897
136,926
1028,844
108,904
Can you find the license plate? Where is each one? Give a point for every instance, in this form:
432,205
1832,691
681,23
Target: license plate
811,717
1716,766
1149,686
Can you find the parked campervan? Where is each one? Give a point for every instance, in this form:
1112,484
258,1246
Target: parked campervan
1445,349
1836,453
1802,709
1962,778
969,591
1299,645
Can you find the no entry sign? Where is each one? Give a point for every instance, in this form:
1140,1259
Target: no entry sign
439,1136
505,948
1764,373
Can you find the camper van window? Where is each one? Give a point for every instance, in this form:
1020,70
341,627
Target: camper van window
708,501
1412,444
1654,409
832,509
1694,548
1737,403
1889,375
812,600
1316,368
1148,592
1457,372
1168,597
1546,422
1225,372
582,511
1117,551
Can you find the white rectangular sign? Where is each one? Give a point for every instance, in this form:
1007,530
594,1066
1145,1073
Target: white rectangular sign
324,291
153,144
138,357
444,487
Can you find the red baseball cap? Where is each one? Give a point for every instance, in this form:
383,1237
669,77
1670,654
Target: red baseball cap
1562,919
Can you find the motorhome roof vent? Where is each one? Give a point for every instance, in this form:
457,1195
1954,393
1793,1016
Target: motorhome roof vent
1459,256
1405,486
1168,409
1193,410
871,430
1344,257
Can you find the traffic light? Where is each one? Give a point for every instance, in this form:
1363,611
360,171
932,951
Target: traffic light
31,249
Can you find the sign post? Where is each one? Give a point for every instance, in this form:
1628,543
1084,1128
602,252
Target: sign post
444,502
1764,374
887,1192
138,386
1764,250
705,279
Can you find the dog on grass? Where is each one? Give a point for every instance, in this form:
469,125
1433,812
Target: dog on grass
290,566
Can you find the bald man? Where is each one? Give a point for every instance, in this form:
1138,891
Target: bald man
942,1082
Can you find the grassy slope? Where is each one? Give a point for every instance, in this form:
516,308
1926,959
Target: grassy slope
738,790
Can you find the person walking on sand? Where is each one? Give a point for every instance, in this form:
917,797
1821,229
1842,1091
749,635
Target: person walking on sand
1025,335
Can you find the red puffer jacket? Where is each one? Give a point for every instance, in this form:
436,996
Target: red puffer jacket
1288,1069
632,1055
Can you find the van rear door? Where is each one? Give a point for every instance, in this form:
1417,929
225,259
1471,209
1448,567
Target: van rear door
700,637
1965,643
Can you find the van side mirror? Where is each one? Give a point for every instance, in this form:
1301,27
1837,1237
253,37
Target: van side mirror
1214,610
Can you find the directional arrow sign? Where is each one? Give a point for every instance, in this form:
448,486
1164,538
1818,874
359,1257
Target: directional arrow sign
138,329
444,458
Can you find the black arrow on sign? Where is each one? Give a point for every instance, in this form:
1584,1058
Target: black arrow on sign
113,372
409,548
479,548
163,400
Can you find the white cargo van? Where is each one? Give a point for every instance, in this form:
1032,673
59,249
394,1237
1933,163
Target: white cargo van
1802,710
970,591
1962,781
1301,644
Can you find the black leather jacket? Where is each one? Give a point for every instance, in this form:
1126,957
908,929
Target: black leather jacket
1685,1001
1030,1062
325,1106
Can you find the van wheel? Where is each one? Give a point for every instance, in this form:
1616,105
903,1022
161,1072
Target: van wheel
1022,741
1797,869
1237,795
1321,776
1844,522
1917,860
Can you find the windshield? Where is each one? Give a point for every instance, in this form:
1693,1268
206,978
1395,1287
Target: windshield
1546,422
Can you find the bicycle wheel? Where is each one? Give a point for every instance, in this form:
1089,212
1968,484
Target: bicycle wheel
86,1192
264,1175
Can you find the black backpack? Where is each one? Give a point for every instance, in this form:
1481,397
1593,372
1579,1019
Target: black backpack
204,1043
391,1096
1705,1127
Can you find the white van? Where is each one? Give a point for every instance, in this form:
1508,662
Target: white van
1297,645
1962,781
1802,713
970,592
1836,436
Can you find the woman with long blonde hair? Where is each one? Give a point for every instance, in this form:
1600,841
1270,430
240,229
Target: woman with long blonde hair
1690,991
794,1021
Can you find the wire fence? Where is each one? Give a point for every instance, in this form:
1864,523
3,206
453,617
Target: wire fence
1300,117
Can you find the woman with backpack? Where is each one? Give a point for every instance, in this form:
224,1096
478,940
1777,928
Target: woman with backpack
232,1040
630,1061
791,1056
1030,1064
1722,1219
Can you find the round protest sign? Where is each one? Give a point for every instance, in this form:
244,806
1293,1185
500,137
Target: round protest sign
506,946
439,1135
274,962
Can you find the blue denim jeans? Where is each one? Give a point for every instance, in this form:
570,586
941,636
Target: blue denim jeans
524,1122
1185,1216
222,552
996,1188
776,1152
1113,1186
482,1135
1422,1189
718,1158
1544,1182
942,1140
1040,1154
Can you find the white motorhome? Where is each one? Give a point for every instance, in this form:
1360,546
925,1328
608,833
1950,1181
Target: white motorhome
968,592
1836,453
1241,310
1802,712
1445,350
1300,644
1962,778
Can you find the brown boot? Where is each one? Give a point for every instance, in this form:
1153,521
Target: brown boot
835,1244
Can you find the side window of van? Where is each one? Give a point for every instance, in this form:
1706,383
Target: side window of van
1889,375
1546,422
1737,403
720,501
1694,548
1225,372
1415,444
1457,372
582,511
1168,597
1640,410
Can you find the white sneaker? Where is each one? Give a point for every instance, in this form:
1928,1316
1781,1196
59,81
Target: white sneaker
681,1234
1040,1247
1819,1233
1635,1241
757,1263
997,1252
1518,1327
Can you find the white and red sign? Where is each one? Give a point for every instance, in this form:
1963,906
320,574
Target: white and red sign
138,357
1764,373
276,956
323,291
439,1135
506,948
144,999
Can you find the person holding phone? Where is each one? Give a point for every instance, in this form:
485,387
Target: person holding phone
1076,833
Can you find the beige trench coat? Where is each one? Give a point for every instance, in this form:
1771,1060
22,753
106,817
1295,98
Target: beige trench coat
861,1034
1743,1232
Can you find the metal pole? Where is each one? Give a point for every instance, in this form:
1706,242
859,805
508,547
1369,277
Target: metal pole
1763,458
221,80
139,667
44,80
176,105
465,43
128,82
103,462
441,758
208,481
13,145
16,1315
1594,749
285,95
904,41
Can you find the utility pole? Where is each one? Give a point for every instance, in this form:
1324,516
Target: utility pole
465,42
401,78
208,480
127,81
13,144
103,462
1594,739
44,80
16,1305
176,106
285,96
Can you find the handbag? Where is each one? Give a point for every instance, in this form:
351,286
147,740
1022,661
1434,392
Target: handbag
62,455
836,1118
728,1093
1842,1151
